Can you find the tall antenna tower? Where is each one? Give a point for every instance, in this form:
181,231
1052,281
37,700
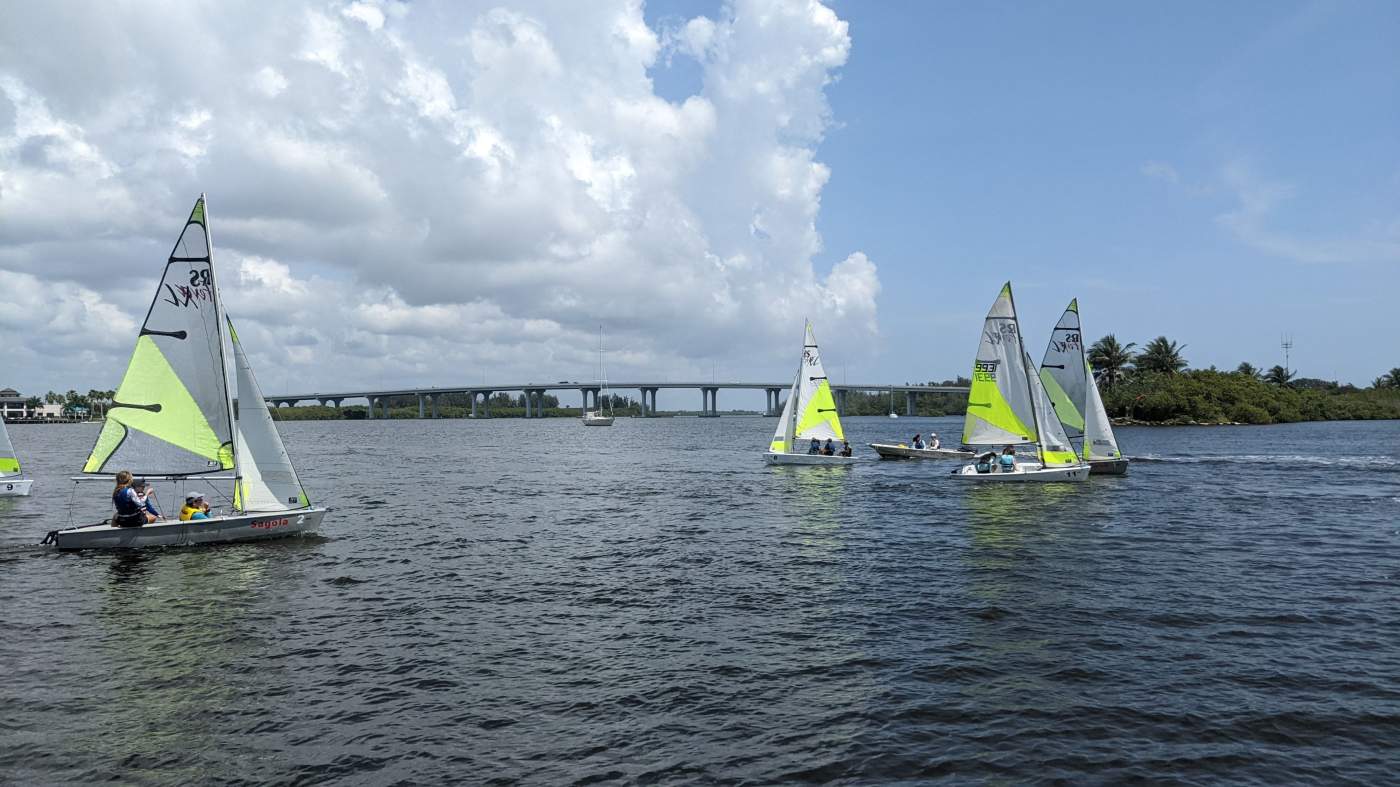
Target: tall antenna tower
1286,342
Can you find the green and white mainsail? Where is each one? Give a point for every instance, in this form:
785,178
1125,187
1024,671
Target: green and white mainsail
171,414
1069,379
999,406
1062,371
266,479
1007,405
9,463
810,411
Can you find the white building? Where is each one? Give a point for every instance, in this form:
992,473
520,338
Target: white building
12,404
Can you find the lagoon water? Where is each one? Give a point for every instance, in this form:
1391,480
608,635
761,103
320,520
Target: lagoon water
538,602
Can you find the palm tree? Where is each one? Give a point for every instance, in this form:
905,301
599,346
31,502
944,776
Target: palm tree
1248,369
1113,361
1278,376
1161,355
1392,378
99,400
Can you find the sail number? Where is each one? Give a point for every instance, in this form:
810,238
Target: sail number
985,371
1070,342
200,288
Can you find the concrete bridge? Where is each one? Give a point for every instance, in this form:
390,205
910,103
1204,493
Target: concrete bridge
480,395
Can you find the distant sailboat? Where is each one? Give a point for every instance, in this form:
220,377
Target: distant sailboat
809,414
598,417
1007,405
172,418
12,480
1069,381
893,414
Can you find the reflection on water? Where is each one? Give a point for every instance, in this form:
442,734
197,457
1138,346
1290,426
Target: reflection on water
169,636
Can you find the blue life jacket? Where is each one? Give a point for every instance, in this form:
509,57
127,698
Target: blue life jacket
129,509
125,501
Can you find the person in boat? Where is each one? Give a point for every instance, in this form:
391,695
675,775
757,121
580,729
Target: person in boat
195,508
815,447
845,448
986,461
829,449
933,440
917,443
130,510
1008,459
146,496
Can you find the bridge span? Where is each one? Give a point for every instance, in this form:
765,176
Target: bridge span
480,395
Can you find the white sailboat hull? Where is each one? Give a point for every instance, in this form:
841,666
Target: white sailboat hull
15,487
594,419
807,459
891,451
221,530
1026,472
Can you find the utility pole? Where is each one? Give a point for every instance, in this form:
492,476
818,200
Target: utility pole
1286,342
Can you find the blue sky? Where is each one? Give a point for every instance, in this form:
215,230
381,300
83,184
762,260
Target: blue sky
1218,173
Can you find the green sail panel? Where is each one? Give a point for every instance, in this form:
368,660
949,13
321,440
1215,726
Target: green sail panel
999,406
9,463
171,413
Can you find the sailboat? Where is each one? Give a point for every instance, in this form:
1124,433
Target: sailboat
598,417
1069,380
173,419
12,480
1008,406
809,414
893,414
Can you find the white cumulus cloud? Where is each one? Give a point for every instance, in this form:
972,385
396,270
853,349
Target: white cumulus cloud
424,193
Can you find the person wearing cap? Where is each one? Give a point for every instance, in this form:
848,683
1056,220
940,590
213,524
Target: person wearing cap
933,441
195,508
146,496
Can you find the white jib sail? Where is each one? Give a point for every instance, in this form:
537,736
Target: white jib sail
999,407
1055,447
1062,371
782,436
1099,442
9,463
267,480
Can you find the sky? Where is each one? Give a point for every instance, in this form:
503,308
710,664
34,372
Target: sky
415,194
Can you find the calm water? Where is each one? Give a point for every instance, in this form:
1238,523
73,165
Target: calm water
537,602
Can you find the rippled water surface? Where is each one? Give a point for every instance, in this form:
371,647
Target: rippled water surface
534,601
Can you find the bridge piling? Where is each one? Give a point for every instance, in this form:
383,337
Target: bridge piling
909,402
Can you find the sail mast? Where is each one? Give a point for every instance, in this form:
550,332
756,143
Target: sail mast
1020,344
219,330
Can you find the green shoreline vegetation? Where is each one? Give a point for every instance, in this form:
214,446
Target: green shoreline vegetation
1155,386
